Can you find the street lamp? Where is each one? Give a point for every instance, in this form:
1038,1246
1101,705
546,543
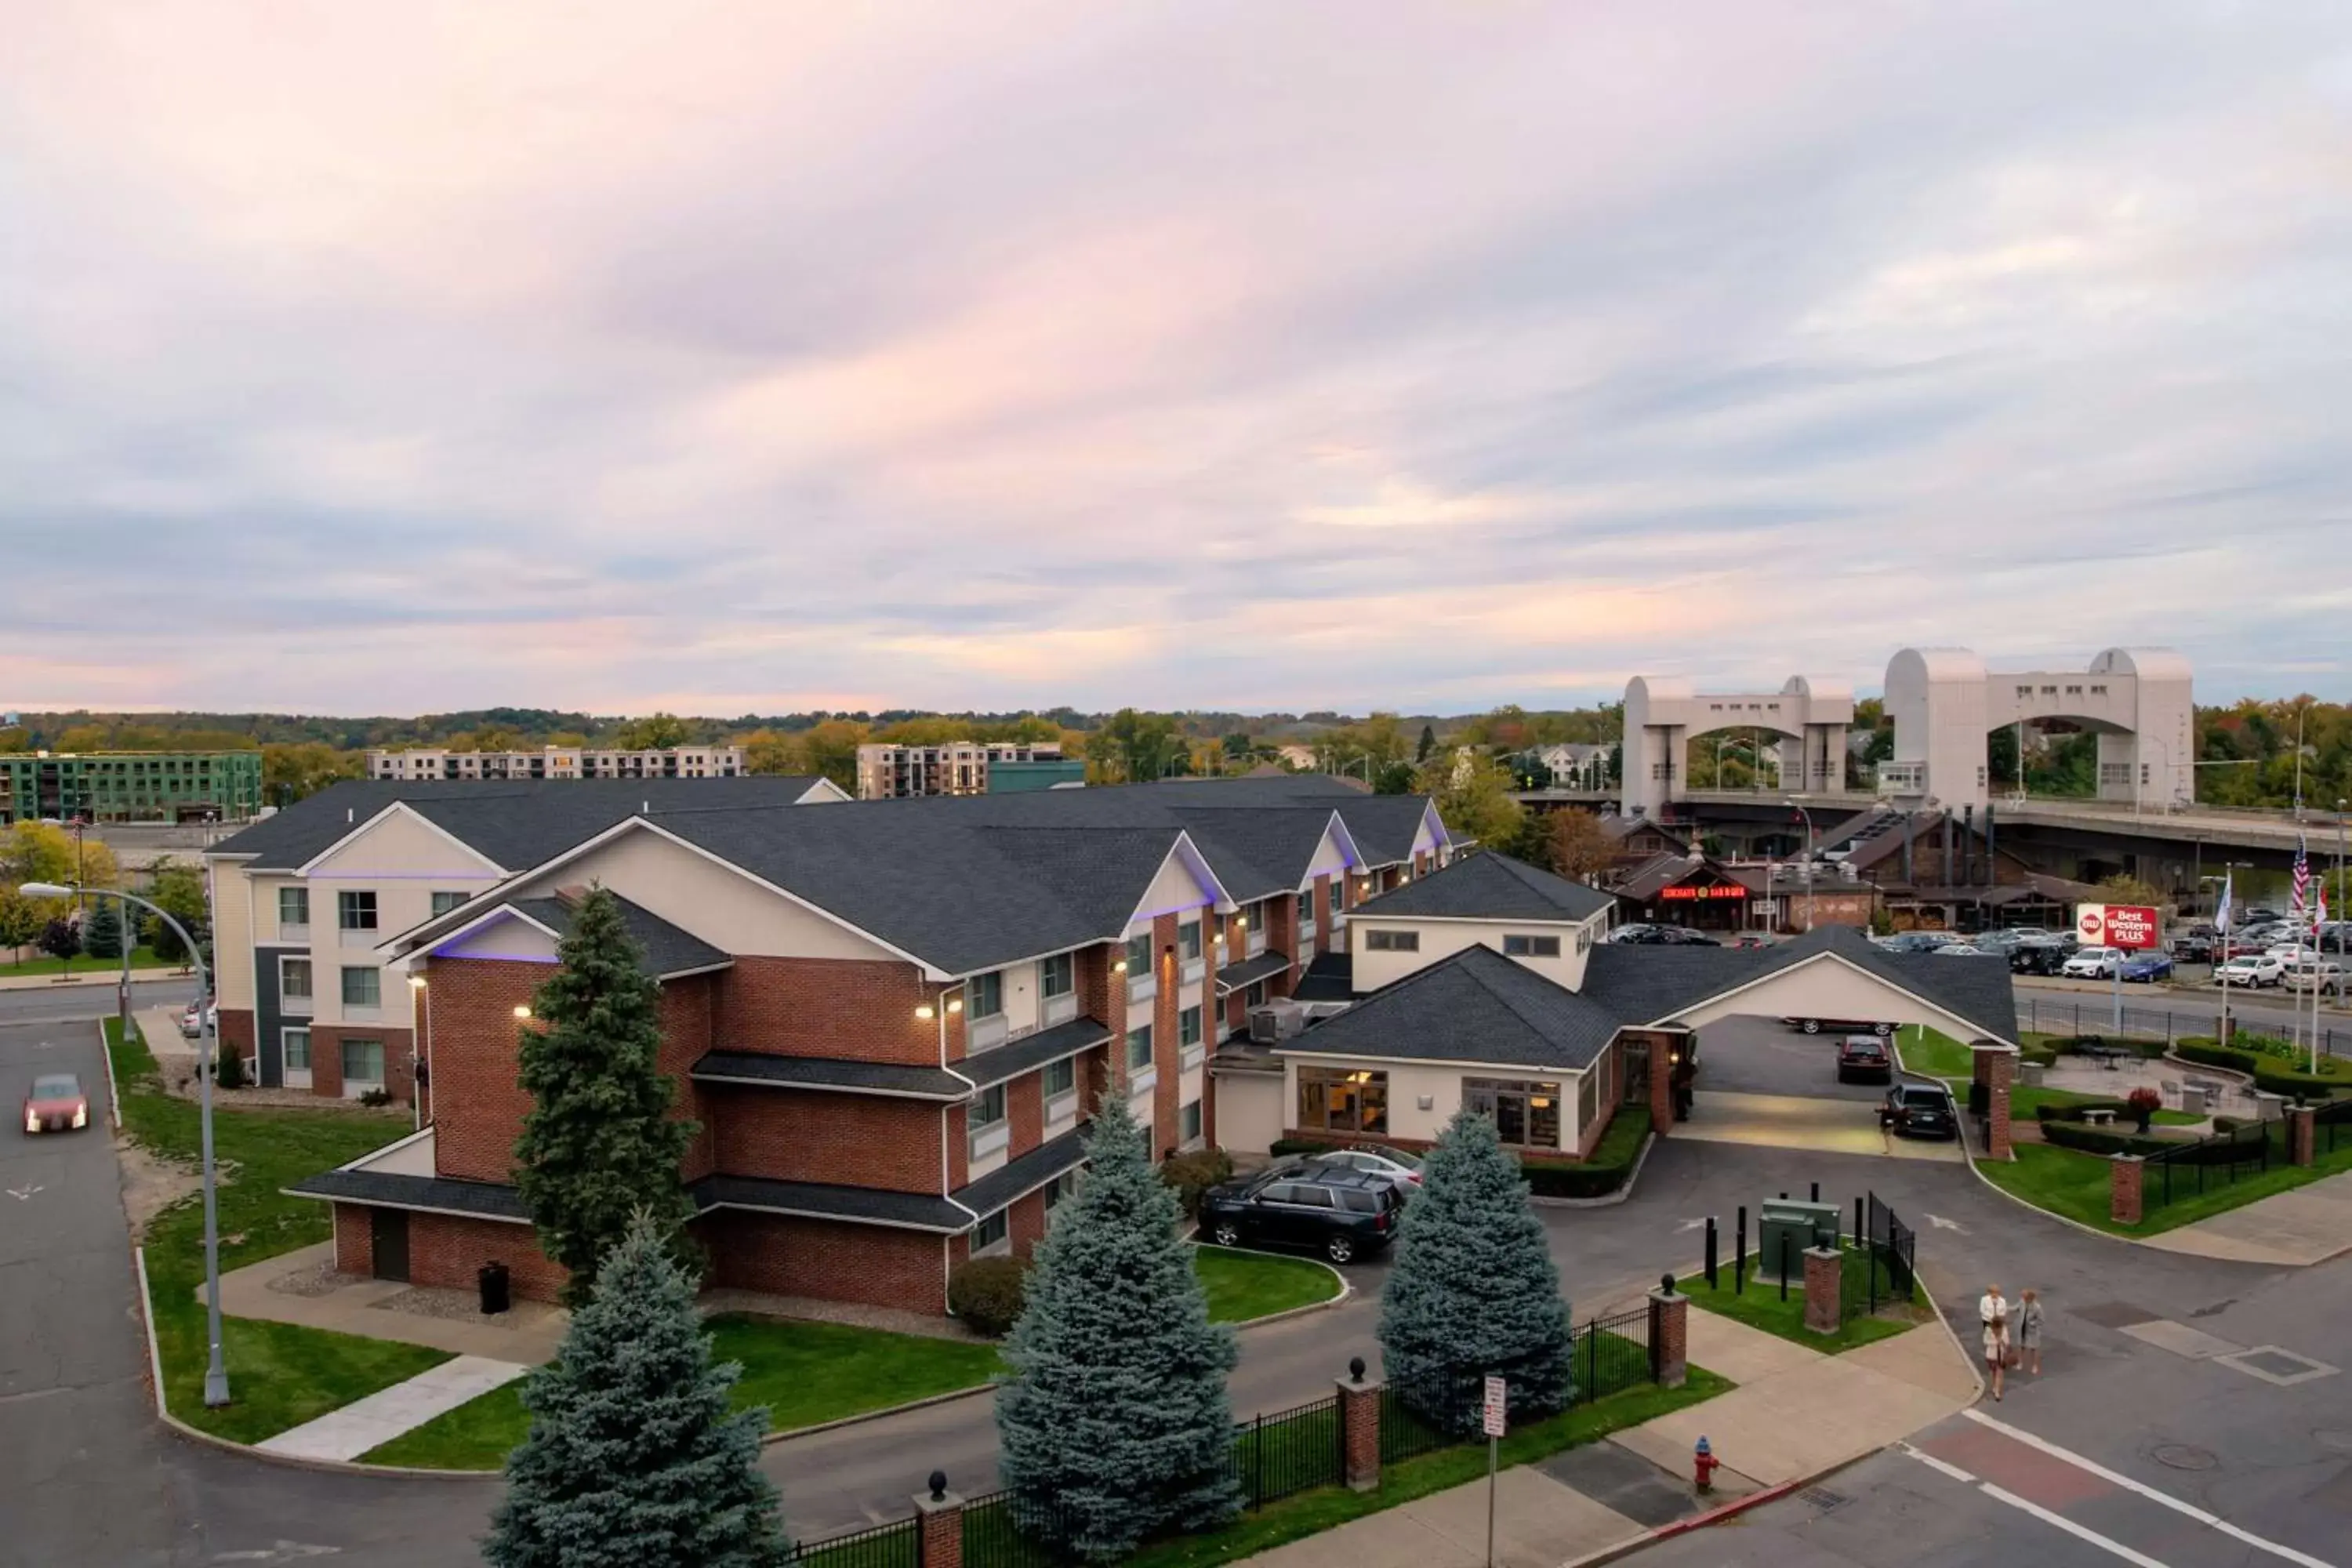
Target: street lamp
1791,801
215,1370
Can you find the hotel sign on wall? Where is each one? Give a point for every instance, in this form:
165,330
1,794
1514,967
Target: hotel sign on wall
1729,891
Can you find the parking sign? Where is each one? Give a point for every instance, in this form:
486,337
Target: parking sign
1498,1403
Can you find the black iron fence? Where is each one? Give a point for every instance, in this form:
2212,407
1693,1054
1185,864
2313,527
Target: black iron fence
1436,1409
2331,1124
1293,1450
1879,1267
1000,1531
2084,1013
895,1545
2194,1166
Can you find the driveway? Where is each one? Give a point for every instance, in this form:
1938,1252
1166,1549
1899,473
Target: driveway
1763,1083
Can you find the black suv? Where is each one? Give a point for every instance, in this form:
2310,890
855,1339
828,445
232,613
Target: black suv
1920,1111
1341,1214
2038,958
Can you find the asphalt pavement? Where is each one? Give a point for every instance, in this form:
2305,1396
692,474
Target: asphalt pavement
63,1003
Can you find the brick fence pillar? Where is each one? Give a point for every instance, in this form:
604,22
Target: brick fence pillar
1669,1334
2302,1132
941,1512
1662,1086
2124,1188
1996,1068
1359,1428
1824,1288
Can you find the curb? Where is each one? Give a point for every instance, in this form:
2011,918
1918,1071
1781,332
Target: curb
114,1104
148,976
1641,1158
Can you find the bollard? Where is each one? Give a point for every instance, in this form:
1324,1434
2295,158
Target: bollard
1740,1258
1784,1266
1857,1222
1817,1192
1710,1252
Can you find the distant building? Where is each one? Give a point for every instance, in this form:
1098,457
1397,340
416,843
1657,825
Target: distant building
130,786
1575,764
1299,757
559,762
886,771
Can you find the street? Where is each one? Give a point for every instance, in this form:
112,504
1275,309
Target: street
61,1004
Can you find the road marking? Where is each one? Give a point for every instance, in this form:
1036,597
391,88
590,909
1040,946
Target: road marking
1690,1225
2213,1520
2002,1494
1940,1223
284,1552
21,1193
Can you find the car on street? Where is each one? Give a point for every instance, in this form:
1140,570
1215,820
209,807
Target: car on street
2147,968
1864,1059
1752,939
2323,974
2093,964
1342,1213
1919,1110
193,1024
55,1104
1402,1171
2253,969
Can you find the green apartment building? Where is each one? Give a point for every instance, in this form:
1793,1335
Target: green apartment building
130,786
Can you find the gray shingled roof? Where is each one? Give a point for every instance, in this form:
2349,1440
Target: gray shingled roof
1491,887
486,1200
1026,1173
1475,1006
1250,970
1329,977
1004,1063
515,823
830,1074
824,1200
668,951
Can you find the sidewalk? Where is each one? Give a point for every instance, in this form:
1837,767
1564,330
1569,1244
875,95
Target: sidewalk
2294,1229
94,975
300,1286
1795,1414
371,1423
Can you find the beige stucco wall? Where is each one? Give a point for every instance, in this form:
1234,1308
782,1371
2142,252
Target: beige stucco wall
511,937
232,935
1250,1110
1175,887
1828,986
1443,938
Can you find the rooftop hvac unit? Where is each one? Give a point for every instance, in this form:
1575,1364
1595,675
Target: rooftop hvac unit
1277,1021
1318,1011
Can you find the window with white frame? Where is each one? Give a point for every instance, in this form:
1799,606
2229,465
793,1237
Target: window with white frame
1188,1028
1187,1122
986,1123
444,903
293,908
363,988
1059,1084
362,1065
992,1234
1138,1048
1060,1189
1138,956
294,1051
1332,892
355,909
1393,942
1057,975
294,984
984,996
1531,946
1306,910
1188,940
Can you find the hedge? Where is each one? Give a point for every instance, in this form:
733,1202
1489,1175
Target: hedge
2074,1044
2048,1113
1593,1178
2205,1050
2101,1140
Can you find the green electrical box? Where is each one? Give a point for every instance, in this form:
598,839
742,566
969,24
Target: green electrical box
1795,1224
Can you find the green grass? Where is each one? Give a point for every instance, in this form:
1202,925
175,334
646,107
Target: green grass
1622,1138
2022,1102
141,957
1311,1512
279,1375
2069,1182
1931,1053
1760,1307
1245,1285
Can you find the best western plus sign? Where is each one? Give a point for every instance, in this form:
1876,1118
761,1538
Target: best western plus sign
2116,925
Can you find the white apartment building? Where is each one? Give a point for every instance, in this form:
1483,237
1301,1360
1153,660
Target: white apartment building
889,772
559,762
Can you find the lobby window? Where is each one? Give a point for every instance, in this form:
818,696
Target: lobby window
1526,1115
363,988
444,903
984,995
293,908
1392,941
355,909
1530,947
1138,1048
1332,1099
1057,975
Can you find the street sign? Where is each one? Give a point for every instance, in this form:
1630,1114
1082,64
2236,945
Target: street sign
2132,926
1498,1402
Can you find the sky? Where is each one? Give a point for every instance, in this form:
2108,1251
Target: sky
729,358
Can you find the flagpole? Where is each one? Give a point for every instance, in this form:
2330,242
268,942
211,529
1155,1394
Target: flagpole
2221,934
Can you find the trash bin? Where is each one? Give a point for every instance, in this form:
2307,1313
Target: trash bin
497,1295
1799,1223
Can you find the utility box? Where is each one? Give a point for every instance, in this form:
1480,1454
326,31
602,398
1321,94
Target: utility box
1798,1225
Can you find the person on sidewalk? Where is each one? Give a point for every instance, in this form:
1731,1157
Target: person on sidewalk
2029,1332
1993,1312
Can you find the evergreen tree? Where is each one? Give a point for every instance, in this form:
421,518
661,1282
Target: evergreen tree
1114,1423
1428,743
1474,1291
598,1144
102,934
633,1459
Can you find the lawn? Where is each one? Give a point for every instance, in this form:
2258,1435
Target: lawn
1760,1307
2074,1185
2023,1102
1930,1053
1245,1285
280,1375
141,957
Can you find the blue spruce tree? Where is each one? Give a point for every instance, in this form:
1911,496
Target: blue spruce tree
1115,1423
633,1459
1474,1291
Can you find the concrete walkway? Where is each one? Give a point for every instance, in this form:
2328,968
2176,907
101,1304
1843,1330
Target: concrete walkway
2295,1229
298,1287
1795,1412
1802,1121
370,1422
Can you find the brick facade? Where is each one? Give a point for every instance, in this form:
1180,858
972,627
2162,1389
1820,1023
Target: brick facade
235,1027
355,1240
448,1251
1360,1432
1995,1067
2125,1172
812,1135
1824,1288
327,1058
829,1007
785,1256
2302,1130
477,1105
1670,1336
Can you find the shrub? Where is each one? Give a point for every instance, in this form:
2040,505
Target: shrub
2143,1104
987,1294
1283,1146
2041,1056
231,1072
375,1097
2100,1140
1194,1174
2046,1114
1559,1179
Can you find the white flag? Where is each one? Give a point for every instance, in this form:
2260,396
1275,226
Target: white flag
2222,915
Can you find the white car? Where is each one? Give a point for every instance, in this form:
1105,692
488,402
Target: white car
2253,969
191,1024
2326,974
2092,964
1399,1169
1959,949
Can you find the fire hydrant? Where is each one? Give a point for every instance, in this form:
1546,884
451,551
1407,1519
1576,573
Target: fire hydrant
1703,1463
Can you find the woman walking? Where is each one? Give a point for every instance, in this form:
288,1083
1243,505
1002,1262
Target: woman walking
1993,1312
2029,1332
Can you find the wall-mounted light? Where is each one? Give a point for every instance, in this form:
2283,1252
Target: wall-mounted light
1241,922
955,1004
1119,967
923,1010
417,982
522,1012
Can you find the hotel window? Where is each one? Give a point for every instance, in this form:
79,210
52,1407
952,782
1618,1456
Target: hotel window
1307,909
1526,1115
1255,996
1138,956
1061,1078
990,1234
355,910
1138,1048
1056,975
985,1122
296,1049
363,988
1331,1099
1332,892
1188,1122
444,903
988,1107
362,1065
1392,941
293,908
1061,1187
1532,947
1188,940
984,995
1188,1028
294,979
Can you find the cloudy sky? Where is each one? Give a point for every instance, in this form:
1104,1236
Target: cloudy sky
748,357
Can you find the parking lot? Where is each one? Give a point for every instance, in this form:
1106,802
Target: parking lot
1760,1082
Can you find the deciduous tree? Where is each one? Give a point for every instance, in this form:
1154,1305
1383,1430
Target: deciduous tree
1578,847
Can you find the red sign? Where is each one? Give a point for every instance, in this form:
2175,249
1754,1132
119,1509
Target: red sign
2131,926
1728,890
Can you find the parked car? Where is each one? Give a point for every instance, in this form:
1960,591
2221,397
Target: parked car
189,1027
2037,958
2263,915
1961,950
1839,1026
2093,964
55,1104
2324,975
1919,1110
1342,1213
2147,968
1864,1059
1752,939
1639,934
1917,940
1399,1169
2192,949
2253,969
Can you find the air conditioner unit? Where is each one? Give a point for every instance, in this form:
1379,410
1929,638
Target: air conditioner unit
1277,1021
1318,1011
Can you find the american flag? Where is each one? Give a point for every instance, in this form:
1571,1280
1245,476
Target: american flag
2302,879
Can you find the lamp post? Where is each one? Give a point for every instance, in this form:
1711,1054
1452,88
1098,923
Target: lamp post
215,1371
1791,801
